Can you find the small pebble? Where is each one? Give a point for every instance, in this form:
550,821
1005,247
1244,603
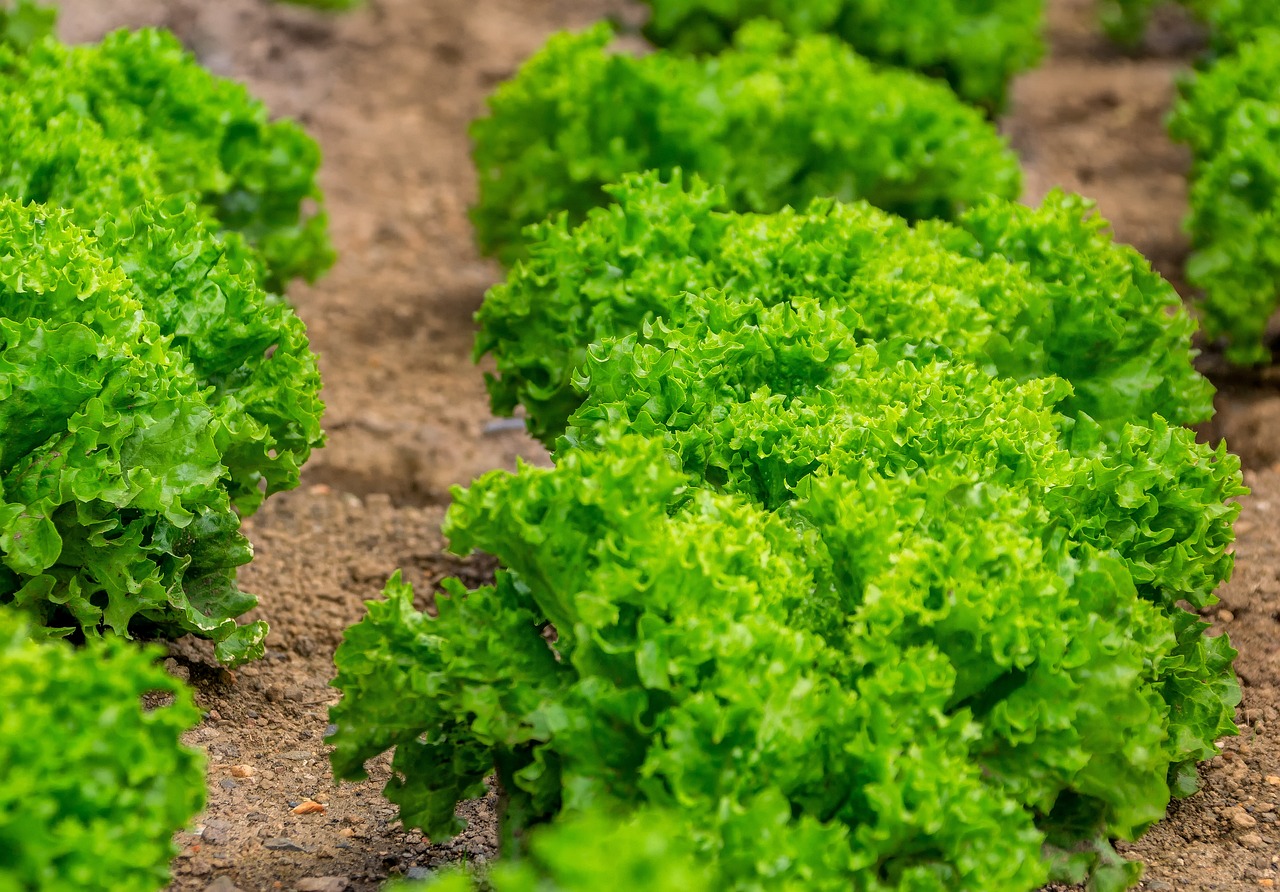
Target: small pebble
215,836
503,425
1242,818
174,668
222,884
282,844
323,884
298,756
1251,840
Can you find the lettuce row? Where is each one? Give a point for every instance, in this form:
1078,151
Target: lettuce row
977,47
775,122
148,388
153,390
867,604
136,118
1227,115
1026,292
94,784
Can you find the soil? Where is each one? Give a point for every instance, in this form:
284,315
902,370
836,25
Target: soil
388,91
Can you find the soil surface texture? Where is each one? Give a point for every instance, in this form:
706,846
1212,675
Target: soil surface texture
388,91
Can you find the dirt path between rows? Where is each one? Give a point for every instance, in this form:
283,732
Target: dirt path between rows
388,92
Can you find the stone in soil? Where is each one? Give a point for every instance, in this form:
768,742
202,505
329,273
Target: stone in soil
323,884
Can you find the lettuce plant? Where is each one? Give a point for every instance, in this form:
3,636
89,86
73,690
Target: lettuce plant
860,584
774,122
977,46
1228,115
94,783
136,118
1027,292
148,388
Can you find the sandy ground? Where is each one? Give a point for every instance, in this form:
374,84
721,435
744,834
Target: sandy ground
388,92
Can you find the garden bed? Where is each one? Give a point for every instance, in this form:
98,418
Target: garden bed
388,92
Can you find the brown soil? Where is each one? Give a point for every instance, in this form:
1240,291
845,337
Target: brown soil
388,92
